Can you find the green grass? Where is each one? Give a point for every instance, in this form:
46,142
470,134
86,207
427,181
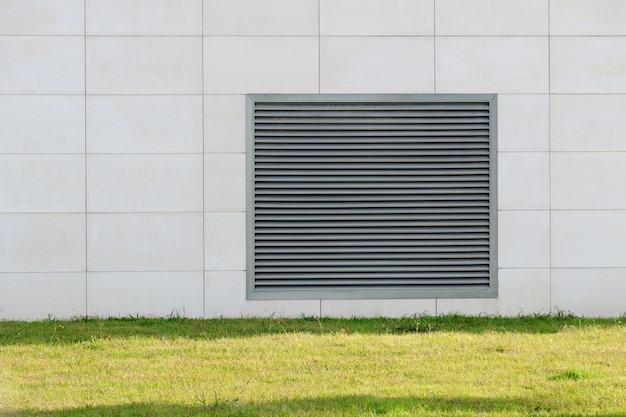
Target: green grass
423,366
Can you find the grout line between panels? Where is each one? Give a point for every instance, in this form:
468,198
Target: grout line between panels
550,156
203,169
85,154
435,46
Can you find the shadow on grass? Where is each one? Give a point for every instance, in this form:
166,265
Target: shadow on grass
79,330
325,406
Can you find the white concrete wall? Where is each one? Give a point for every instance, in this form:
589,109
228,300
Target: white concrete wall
122,143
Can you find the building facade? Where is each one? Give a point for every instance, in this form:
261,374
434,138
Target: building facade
123,145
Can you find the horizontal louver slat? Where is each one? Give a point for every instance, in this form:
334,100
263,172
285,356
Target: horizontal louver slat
372,243
366,257
278,133
427,198
380,276
369,114
369,107
434,202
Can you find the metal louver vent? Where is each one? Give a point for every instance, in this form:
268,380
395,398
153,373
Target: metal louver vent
371,196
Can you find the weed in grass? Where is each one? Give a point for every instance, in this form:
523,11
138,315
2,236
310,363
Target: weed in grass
216,402
570,374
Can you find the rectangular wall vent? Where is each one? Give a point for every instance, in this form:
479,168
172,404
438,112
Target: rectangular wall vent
371,196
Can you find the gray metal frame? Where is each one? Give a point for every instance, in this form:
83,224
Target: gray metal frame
251,294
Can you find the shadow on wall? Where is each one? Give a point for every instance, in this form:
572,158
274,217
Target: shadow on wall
346,406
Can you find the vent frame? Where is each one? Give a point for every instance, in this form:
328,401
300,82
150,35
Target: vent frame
257,292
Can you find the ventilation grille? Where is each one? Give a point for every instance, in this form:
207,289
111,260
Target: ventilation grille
372,196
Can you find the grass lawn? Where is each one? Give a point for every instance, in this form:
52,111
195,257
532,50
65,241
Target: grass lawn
426,366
